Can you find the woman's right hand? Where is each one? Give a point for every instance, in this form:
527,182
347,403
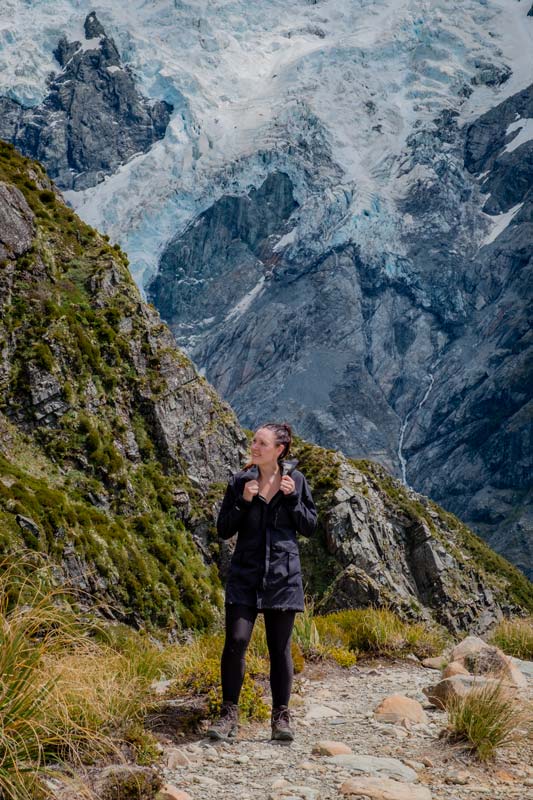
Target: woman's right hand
251,488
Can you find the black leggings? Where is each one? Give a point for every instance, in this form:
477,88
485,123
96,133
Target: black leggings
239,626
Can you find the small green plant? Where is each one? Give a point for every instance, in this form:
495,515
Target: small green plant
515,637
486,718
43,356
251,702
46,196
197,670
298,660
343,657
143,742
319,640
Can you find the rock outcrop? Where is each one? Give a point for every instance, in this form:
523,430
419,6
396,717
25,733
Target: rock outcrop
93,117
397,549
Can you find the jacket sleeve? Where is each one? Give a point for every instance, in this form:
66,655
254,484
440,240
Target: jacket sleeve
303,510
233,510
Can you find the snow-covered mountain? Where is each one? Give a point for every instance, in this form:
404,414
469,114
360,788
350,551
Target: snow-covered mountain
337,223
247,78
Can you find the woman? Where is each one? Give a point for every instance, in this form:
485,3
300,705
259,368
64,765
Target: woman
266,508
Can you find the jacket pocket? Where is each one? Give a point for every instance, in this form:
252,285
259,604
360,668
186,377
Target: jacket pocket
293,565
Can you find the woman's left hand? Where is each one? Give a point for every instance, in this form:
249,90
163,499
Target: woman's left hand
287,484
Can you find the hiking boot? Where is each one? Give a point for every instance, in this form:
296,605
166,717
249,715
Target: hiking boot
281,729
225,727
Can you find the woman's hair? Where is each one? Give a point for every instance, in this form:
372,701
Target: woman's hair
282,435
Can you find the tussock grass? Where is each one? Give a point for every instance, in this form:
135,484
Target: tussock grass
33,630
515,637
379,632
306,633
487,718
64,697
314,647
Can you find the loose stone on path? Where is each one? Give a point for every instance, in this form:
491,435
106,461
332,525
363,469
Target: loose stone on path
398,707
330,748
375,765
321,712
384,789
168,792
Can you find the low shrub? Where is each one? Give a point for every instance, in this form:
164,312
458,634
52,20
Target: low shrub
251,701
298,659
143,743
195,668
343,657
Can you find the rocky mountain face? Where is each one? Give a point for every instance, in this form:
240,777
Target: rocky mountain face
114,451
93,118
422,362
471,448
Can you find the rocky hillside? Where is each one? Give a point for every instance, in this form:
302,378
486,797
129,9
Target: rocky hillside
110,440
115,452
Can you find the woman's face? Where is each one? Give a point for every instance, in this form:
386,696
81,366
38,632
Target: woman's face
264,447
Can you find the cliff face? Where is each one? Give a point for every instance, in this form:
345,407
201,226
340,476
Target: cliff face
93,117
114,451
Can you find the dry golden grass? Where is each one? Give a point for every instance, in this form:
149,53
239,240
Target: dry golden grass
63,696
378,631
515,637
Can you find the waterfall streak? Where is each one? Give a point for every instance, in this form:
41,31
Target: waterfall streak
403,463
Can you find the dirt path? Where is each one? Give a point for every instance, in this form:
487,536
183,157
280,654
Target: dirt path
334,704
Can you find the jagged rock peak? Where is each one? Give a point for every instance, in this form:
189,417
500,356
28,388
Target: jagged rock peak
94,29
92,26
93,118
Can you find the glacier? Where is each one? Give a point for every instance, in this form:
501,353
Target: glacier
245,79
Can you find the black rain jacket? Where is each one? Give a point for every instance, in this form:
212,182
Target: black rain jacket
265,567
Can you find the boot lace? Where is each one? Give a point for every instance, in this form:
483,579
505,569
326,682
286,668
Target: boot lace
281,715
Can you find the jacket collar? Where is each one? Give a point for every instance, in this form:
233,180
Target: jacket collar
252,474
